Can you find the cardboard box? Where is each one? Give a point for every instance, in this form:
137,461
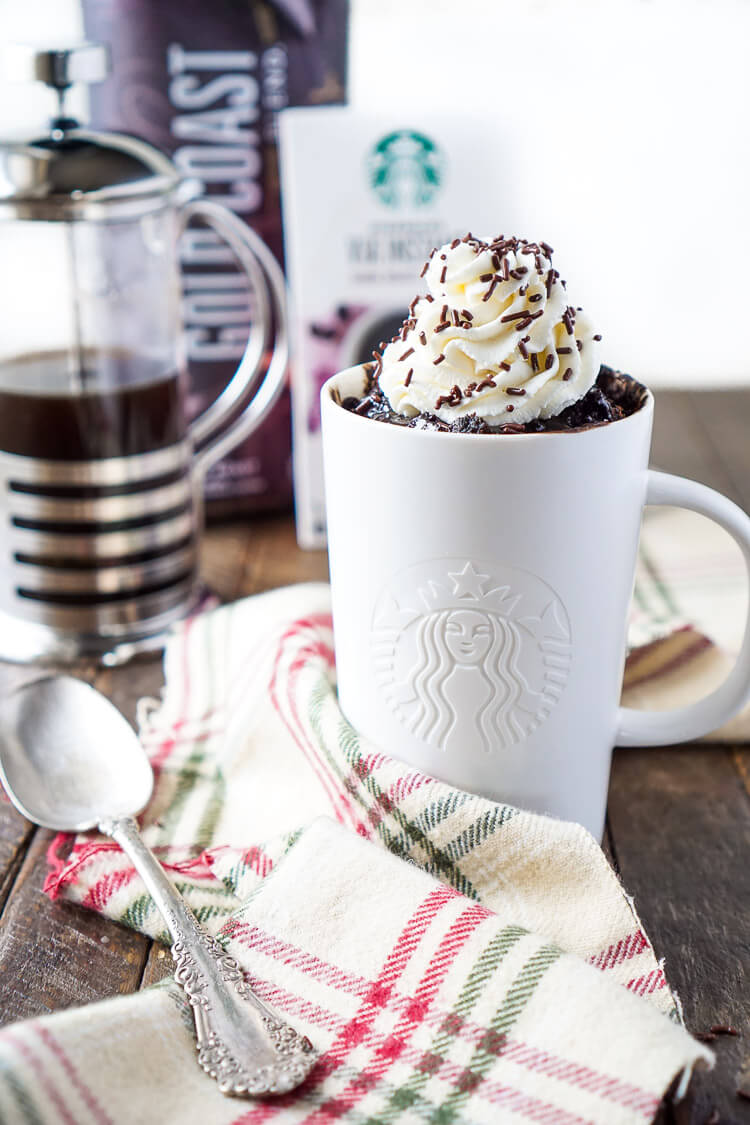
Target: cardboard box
365,199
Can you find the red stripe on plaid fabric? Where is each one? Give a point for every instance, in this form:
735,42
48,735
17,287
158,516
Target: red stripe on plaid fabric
650,982
620,951
408,783
324,971
257,860
341,805
637,655
86,1094
100,892
185,736
374,1000
56,864
83,853
701,644
515,1050
40,1073
394,1044
327,973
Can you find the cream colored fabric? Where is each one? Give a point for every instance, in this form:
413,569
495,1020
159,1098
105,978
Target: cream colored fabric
524,986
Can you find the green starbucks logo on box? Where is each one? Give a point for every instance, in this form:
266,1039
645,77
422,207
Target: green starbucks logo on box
405,169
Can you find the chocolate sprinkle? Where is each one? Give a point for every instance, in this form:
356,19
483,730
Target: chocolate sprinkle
442,327
444,312
422,338
597,337
534,361
453,399
443,274
407,353
568,373
564,351
549,361
439,359
466,314
510,408
535,297
409,374
514,316
515,391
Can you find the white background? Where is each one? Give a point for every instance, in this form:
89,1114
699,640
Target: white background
620,129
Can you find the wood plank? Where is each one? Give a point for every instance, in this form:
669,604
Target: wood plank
275,559
681,829
54,954
224,553
681,443
724,416
158,965
15,837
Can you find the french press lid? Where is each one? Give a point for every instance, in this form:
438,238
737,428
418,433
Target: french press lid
71,172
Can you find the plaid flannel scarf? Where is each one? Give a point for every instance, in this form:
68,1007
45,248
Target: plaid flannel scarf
510,976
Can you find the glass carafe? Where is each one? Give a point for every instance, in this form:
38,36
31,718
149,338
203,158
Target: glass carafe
100,473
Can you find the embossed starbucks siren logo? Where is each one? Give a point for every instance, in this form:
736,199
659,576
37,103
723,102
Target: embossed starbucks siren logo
463,649
405,169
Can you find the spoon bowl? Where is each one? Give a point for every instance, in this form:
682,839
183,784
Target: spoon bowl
68,758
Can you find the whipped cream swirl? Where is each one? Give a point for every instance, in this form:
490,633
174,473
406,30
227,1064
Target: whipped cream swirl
495,336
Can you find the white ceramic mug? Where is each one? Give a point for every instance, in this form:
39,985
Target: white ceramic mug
480,595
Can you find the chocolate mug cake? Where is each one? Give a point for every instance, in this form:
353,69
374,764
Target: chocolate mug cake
494,347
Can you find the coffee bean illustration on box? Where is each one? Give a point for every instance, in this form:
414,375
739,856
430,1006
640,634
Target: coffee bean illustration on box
461,645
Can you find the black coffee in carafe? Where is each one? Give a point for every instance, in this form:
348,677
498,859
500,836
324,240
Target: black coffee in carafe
130,407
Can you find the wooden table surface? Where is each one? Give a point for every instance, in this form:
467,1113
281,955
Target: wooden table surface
678,828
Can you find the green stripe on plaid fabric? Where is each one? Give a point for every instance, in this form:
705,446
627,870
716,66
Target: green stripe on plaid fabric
516,999
483,827
442,808
670,606
141,911
408,1095
411,836
26,1110
191,777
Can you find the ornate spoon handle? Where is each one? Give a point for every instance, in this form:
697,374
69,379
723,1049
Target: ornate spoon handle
241,1043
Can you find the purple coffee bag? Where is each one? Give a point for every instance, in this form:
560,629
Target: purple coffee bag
204,82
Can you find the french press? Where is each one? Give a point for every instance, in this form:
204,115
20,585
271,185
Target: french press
100,472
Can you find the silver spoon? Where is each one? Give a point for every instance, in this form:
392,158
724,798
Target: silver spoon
70,761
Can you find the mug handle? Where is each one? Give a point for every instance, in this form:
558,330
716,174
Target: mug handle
658,728
244,402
